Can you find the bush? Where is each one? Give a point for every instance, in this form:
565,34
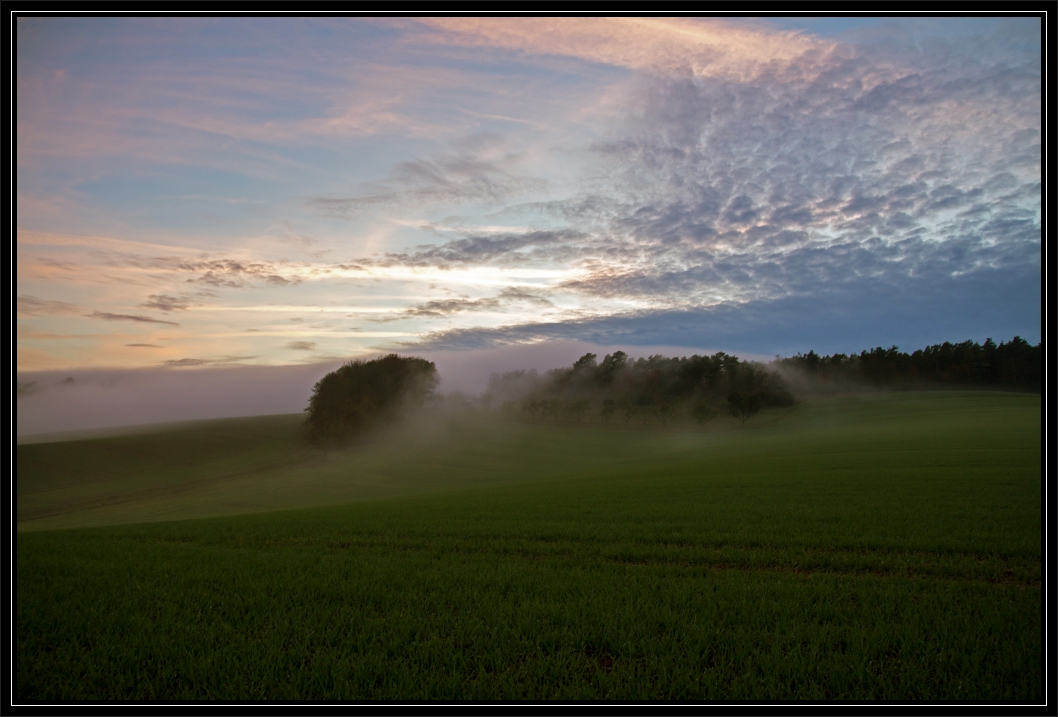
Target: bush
363,394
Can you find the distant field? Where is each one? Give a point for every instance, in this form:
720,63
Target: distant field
881,547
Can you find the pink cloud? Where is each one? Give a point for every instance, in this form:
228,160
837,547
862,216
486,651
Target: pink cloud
706,47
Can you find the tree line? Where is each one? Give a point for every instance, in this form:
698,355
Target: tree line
657,389
364,394
1015,364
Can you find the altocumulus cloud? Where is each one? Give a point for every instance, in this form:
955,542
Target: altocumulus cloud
218,273
904,184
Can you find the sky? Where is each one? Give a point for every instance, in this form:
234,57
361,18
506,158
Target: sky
215,201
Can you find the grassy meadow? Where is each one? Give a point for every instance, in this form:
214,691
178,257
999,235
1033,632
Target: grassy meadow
868,548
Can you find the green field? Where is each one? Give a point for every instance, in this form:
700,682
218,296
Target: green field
884,547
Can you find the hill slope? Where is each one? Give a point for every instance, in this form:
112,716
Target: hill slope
885,548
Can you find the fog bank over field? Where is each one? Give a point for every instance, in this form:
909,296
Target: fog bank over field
90,399
60,401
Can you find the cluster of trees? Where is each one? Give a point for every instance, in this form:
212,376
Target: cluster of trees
650,389
1015,364
364,394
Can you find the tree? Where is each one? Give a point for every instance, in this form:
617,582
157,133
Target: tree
584,363
577,409
644,408
363,394
1020,364
551,408
611,365
532,407
743,406
607,410
702,412
664,411
647,389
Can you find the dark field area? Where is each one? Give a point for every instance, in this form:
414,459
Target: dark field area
884,547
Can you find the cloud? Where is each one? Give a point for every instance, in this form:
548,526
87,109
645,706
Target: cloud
712,47
128,317
482,169
302,345
193,362
504,249
997,304
300,240
696,171
786,183
446,307
164,302
518,294
145,346
235,274
439,308
32,306
220,273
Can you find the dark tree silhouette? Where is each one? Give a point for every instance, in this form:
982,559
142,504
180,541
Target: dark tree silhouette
532,407
628,409
702,412
363,394
664,412
611,365
584,364
743,406
657,387
1015,364
578,409
644,408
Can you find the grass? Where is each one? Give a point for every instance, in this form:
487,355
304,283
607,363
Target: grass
246,465
883,548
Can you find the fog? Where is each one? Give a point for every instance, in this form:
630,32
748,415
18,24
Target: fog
92,399
802,383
